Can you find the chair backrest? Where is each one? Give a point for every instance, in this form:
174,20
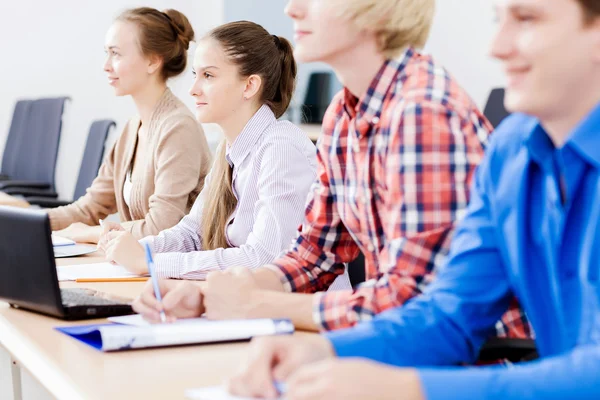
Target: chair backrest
92,156
494,109
318,97
15,135
38,145
356,270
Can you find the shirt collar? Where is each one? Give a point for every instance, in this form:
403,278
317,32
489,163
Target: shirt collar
584,139
244,143
368,108
539,144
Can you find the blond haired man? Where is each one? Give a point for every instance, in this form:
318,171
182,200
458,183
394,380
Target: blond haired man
531,230
399,146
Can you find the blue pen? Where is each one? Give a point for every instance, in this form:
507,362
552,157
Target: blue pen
281,387
150,263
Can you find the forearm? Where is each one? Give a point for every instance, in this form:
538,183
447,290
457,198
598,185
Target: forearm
268,279
275,304
83,211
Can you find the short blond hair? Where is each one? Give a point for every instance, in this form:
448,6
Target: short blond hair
398,24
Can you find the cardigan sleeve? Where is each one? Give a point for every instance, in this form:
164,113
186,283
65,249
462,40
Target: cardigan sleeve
181,160
99,200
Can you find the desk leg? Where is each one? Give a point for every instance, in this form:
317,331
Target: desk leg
16,380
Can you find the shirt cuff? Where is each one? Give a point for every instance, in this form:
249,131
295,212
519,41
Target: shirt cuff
148,240
363,340
167,265
457,383
331,310
282,277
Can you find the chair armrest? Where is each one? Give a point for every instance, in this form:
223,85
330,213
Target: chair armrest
45,202
514,350
29,184
28,191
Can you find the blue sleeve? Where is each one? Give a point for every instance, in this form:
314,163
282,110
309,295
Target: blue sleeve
573,375
450,321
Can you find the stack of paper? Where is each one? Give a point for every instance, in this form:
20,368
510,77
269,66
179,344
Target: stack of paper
93,271
58,241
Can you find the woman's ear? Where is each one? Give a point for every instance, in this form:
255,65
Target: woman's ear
253,86
154,64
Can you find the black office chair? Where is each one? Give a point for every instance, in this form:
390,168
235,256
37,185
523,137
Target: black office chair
90,164
36,150
514,350
13,141
494,109
318,96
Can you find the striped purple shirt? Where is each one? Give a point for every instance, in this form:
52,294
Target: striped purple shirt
274,165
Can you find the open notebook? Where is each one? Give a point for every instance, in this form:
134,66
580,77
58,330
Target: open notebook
220,393
114,337
213,393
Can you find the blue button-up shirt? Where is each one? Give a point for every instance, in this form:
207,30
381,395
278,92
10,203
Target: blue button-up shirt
532,230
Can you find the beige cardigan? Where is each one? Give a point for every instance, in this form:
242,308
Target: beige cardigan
164,188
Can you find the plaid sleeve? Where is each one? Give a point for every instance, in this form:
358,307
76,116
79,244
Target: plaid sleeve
432,153
324,244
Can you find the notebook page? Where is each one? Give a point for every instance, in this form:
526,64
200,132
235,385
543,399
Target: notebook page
122,337
213,393
61,241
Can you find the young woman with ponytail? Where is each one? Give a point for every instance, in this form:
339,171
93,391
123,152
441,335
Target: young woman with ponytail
254,197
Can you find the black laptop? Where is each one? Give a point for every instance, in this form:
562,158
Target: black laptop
28,277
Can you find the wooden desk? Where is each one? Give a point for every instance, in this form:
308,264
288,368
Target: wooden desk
69,369
8,200
312,130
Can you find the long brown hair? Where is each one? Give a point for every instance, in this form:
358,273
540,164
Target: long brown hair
166,34
255,52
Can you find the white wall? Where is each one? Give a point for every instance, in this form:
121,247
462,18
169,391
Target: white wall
460,38
53,48
56,48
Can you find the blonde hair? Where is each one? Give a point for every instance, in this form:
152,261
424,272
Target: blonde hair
220,203
398,24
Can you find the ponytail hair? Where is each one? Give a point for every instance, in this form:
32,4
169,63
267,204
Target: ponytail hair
255,52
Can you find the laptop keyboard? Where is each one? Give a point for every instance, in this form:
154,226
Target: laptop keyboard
86,297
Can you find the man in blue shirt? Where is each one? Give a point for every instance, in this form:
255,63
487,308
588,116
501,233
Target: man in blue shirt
531,231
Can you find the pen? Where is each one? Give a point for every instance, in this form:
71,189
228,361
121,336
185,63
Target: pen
281,387
150,263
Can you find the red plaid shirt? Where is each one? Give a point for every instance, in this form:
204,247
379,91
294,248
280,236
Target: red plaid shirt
392,178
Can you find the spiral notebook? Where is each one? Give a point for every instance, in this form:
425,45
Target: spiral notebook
116,337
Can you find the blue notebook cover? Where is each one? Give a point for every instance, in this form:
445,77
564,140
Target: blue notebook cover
114,337
88,334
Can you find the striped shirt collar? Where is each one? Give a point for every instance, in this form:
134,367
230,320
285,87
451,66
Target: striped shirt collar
367,110
243,144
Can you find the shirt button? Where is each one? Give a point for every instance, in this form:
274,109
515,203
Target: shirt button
370,247
356,148
375,120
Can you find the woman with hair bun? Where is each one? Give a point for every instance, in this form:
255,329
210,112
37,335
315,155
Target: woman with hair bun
156,168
